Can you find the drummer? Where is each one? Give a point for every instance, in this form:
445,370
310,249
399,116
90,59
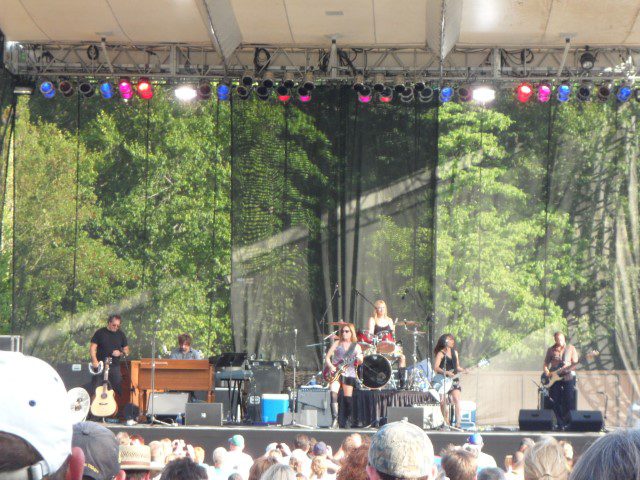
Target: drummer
379,323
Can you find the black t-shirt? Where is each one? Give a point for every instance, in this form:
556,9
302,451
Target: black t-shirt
109,341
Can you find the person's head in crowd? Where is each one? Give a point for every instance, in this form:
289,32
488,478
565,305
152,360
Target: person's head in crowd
351,442
295,464
184,469
235,476
491,473
136,440
167,446
199,455
474,443
135,460
123,438
219,456
354,465
157,454
320,449
35,423
279,472
312,443
277,454
400,450
616,456
101,450
525,443
301,476
567,448
460,463
236,443
517,464
260,466
545,461
301,442
318,467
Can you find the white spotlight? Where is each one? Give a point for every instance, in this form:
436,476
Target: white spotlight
484,94
186,93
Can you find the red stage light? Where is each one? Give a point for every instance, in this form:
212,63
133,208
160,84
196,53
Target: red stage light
524,92
145,90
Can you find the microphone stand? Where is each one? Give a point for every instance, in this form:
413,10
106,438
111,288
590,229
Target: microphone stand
152,417
323,321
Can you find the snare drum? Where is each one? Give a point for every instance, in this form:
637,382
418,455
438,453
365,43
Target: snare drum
386,343
375,371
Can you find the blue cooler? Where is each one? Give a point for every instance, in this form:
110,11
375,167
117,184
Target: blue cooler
274,404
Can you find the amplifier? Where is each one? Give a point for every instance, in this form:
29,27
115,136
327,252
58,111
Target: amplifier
172,404
11,343
268,377
424,416
75,375
318,399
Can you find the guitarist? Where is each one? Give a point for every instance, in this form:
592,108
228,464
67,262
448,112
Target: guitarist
563,359
109,341
447,363
345,353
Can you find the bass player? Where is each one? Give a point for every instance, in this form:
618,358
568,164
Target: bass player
341,359
563,359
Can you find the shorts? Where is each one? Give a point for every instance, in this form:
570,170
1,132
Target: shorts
351,381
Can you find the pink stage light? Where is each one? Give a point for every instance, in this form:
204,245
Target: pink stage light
544,92
125,88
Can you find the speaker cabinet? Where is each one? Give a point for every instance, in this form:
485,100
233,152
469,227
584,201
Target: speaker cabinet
318,399
424,416
75,375
303,418
536,420
585,421
171,404
268,377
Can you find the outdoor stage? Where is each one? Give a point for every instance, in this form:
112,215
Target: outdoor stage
497,443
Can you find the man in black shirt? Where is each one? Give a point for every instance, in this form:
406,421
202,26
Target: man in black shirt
109,341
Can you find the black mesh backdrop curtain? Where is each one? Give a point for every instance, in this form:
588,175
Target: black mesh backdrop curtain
325,194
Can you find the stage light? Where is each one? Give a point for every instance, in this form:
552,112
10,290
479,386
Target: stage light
524,92
48,89
283,93
584,92
243,92
378,83
185,93
263,93
464,94
66,88
386,96
544,92
106,90
623,93
144,88
419,85
125,88
223,92
204,91
398,83
604,91
407,95
587,60
364,95
247,78
267,80
484,94
289,80
304,95
358,83
86,89
309,82
563,92
426,95
446,94
636,94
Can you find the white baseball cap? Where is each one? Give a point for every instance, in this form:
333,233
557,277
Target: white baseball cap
35,407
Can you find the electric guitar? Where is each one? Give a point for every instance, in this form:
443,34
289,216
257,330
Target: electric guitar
340,366
104,403
443,384
555,375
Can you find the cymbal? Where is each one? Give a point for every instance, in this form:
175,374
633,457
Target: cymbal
406,323
338,324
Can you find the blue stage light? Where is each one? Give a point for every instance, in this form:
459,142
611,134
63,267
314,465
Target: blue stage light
623,93
564,92
223,91
106,90
446,94
47,89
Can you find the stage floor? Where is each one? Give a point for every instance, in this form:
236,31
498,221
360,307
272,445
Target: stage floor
497,443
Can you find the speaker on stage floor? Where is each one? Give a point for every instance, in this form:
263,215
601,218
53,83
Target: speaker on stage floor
423,416
585,421
171,404
304,418
536,420
318,399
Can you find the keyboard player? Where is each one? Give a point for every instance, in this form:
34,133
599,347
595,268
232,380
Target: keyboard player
184,350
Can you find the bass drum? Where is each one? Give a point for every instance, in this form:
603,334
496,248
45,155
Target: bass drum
375,371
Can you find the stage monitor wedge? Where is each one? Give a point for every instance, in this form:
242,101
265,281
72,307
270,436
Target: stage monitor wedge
585,421
536,420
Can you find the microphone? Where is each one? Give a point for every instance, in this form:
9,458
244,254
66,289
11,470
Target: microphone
338,290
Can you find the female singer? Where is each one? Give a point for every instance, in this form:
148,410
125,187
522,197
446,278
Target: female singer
447,364
345,351
380,322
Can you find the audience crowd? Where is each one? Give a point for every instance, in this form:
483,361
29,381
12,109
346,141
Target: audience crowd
38,441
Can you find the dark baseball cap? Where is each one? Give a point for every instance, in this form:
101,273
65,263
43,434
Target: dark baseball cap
101,450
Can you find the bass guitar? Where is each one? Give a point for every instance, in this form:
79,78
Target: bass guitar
104,402
556,373
443,384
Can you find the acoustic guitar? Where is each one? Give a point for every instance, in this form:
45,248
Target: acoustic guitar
104,402
556,374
